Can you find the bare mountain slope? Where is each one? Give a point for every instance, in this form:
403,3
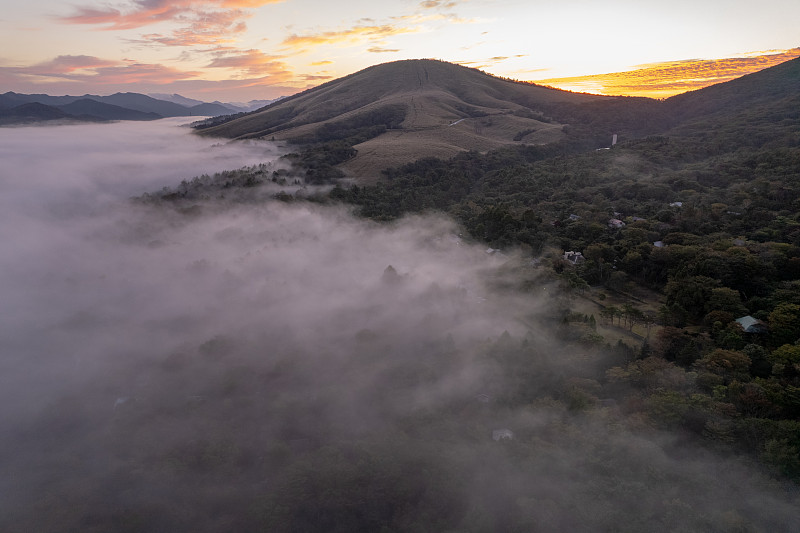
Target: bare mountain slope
423,107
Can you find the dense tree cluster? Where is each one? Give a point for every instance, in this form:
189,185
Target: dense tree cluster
705,213
708,216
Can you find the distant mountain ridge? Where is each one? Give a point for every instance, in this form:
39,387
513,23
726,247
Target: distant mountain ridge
231,107
176,99
89,107
33,112
93,108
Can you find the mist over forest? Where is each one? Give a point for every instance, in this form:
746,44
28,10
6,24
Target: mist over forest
274,366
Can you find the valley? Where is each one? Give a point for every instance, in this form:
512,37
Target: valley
380,321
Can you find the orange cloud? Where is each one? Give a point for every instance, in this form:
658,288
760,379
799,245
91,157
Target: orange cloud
434,4
203,21
491,61
440,8
66,65
146,12
352,35
88,74
212,28
134,73
95,71
379,50
367,30
662,80
254,63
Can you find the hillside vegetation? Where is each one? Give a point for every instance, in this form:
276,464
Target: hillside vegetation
696,210
437,109
707,214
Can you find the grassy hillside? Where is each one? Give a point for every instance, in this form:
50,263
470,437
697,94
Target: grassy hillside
438,109
768,86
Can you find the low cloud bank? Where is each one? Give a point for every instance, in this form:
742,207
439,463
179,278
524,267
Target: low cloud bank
260,368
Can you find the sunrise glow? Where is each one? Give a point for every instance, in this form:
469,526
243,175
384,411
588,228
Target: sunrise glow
243,49
662,80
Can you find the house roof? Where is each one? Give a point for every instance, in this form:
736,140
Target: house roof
751,325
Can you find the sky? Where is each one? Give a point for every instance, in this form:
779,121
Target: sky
238,50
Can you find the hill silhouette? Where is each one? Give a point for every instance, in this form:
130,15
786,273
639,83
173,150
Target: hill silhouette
87,106
411,109
118,106
32,112
211,109
760,110
768,86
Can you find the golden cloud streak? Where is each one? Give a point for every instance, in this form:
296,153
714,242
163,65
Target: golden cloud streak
254,63
353,35
380,50
662,80
489,62
435,4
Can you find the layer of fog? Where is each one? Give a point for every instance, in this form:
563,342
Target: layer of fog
131,333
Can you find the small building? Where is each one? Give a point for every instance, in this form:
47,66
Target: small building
502,434
496,252
638,219
574,217
575,258
751,325
659,244
676,204
616,223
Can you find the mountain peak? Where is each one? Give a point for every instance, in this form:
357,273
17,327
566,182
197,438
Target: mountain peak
410,109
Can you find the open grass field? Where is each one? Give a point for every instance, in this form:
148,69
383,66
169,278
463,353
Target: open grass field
591,303
398,147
